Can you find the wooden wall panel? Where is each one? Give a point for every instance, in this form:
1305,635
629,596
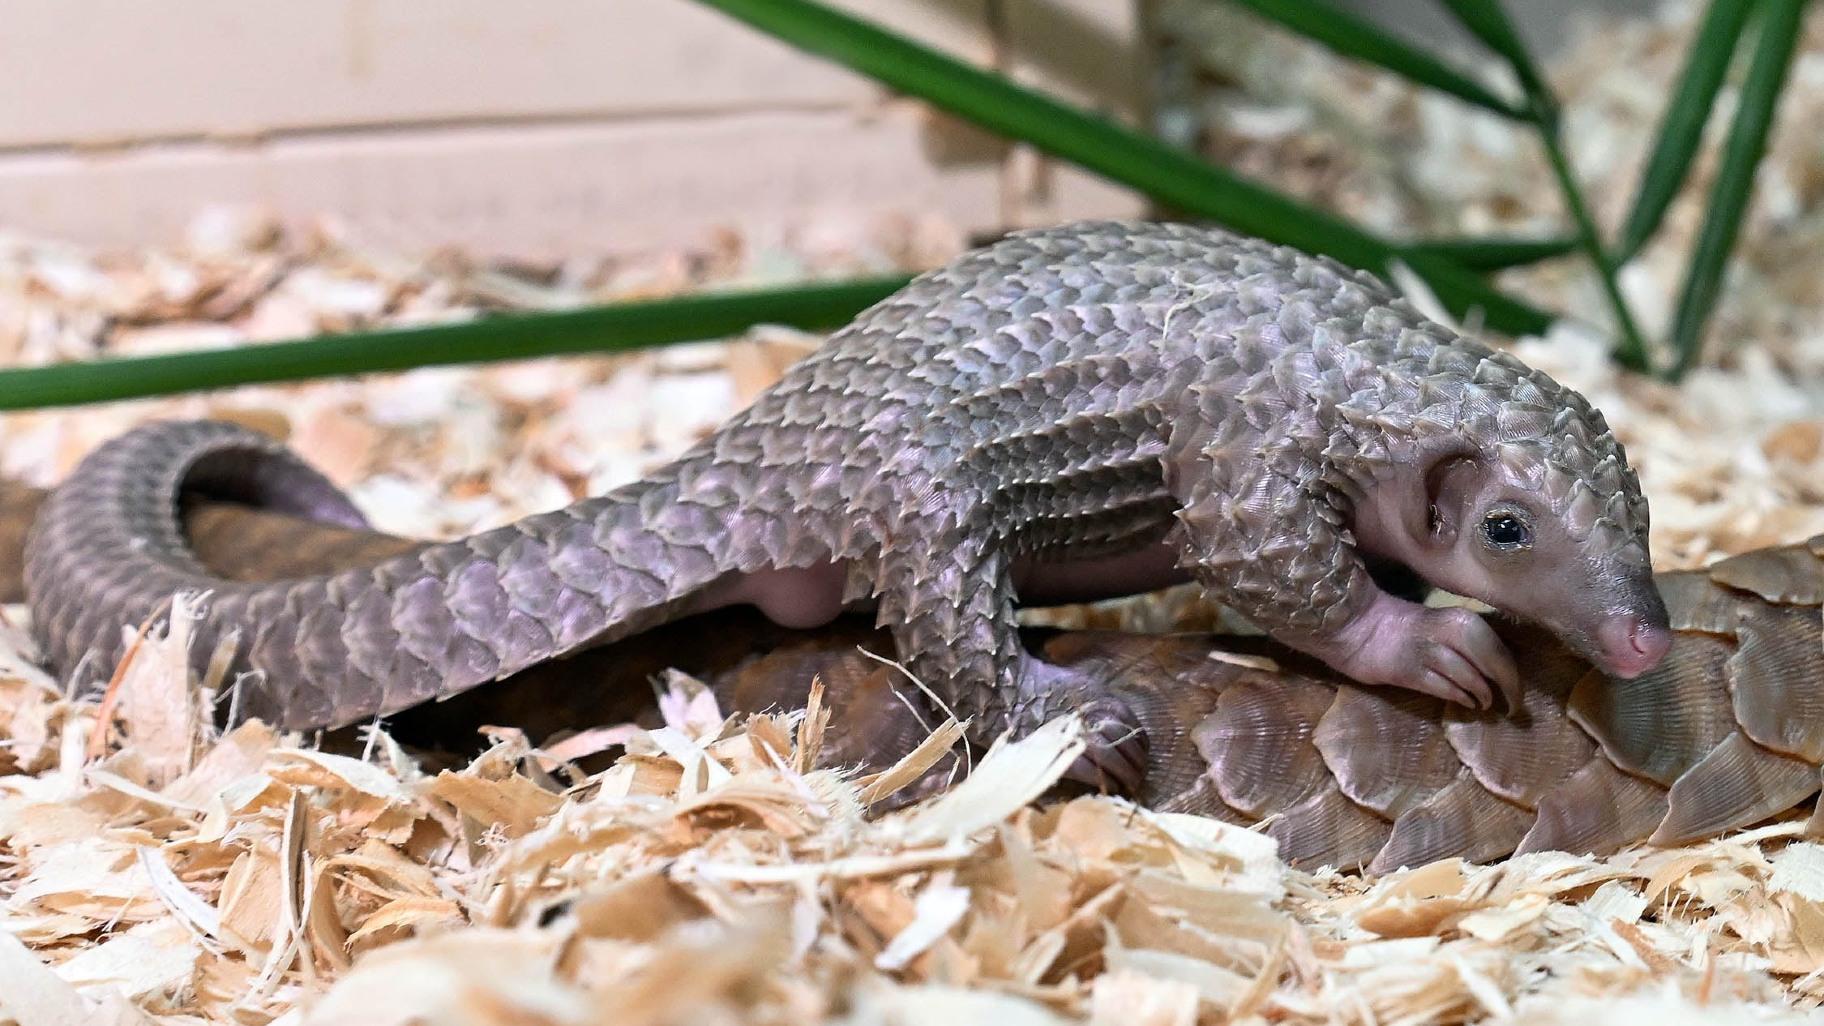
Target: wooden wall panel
520,128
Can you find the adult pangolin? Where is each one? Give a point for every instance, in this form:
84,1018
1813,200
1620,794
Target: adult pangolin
1068,414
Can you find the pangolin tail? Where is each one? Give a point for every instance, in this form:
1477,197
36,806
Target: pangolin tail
397,624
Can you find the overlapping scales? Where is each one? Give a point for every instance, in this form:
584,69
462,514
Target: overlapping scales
1727,731
1544,435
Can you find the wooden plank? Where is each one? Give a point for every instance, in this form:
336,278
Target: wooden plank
1088,53
530,191
106,72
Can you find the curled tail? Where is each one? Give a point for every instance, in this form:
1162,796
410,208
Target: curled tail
107,551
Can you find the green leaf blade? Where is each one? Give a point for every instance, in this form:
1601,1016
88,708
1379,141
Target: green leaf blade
1169,175
1488,21
1467,297
1362,40
1779,22
610,328
1486,255
1682,126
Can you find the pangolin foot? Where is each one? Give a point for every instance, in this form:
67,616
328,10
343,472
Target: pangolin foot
1451,654
1115,761
1459,659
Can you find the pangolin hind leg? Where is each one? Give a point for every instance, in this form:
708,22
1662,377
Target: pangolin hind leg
951,612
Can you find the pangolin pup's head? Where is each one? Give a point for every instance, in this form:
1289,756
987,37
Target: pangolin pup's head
1520,496
1527,534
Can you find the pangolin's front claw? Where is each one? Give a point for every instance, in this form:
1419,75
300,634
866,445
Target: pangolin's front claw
1451,654
1115,761
1457,657
1462,647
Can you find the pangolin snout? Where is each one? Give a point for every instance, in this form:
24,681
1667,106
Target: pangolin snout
1630,645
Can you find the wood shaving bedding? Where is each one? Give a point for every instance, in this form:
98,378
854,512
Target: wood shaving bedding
151,872
708,877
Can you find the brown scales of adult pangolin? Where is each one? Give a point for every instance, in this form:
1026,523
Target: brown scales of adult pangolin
1069,413
1727,731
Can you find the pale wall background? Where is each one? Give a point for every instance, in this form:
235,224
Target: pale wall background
534,129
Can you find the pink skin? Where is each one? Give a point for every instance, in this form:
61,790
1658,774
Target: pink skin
1631,645
1091,580
799,598
1431,515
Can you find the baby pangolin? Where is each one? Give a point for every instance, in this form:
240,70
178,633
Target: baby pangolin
1067,414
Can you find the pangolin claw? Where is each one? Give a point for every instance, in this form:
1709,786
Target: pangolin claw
1115,761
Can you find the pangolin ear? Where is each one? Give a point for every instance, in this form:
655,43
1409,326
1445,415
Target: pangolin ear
1451,485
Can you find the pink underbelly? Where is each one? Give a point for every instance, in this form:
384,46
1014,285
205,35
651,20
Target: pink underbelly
1051,583
812,596
799,598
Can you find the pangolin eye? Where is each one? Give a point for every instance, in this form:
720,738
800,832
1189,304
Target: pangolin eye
1504,529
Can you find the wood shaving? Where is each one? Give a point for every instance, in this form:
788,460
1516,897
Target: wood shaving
168,875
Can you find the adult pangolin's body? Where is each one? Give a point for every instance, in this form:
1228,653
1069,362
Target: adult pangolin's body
1069,413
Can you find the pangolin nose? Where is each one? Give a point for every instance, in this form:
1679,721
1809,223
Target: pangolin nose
1631,645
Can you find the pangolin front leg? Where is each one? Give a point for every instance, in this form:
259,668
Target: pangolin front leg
1345,619
1447,653
1267,530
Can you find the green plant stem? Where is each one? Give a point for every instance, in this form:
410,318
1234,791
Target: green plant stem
1488,21
1171,176
1682,126
1779,25
509,337
1632,351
